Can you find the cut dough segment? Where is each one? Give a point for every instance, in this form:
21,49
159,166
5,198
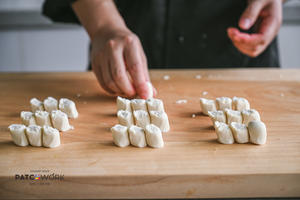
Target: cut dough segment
153,136
50,104
250,115
218,115
141,118
150,90
60,120
123,104
125,118
207,105
224,133
68,106
160,119
239,103
138,104
51,137
17,132
120,135
258,132
27,118
36,105
137,136
224,103
155,104
34,135
233,116
42,118
240,132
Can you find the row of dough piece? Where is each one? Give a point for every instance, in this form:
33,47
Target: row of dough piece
140,104
137,136
255,132
34,135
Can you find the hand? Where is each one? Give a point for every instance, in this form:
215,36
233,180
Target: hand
266,15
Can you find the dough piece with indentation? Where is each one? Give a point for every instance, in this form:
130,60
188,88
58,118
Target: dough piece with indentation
155,105
141,118
50,104
42,118
250,115
233,116
240,103
123,104
125,118
36,105
153,136
34,135
50,137
18,135
137,136
240,132
68,106
224,103
138,104
60,120
224,133
218,115
120,135
160,119
257,132
28,118
207,105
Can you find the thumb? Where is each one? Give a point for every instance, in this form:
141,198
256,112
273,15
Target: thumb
251,14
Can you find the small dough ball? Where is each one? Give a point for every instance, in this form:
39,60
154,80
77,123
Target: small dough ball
138,104
258,132
155,105
142,118
218,115
17,132
36,105
120,135
160,119
239,103
250,115
153,136
233,116
224,103
42,118
51,137
34,135
68,106
137,136
240,132
27,118
123,104
50,104
150,90
224,133
125,118
60,120
207,105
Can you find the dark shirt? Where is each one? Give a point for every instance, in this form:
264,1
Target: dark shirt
181,33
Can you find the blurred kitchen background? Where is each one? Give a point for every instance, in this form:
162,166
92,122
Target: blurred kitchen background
30,42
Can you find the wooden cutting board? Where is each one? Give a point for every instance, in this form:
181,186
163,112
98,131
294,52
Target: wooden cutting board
192,164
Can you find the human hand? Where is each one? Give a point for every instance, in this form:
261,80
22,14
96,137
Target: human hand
266,16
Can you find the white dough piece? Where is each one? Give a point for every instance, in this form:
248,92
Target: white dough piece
153,136
125,118
36,105
224,133
218,115
138,104
18,135
207,105
50,104
240,103
137,136
233,116
240,132
27,118
123,104
141,118
155,104
250,115
60,120
34,135
42,118
224,103
160,119
68,106
150,90
258,132
51,137
120,135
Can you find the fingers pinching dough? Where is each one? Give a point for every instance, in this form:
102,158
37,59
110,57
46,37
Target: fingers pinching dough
141,118
224,133
153,136
218,115
160,119
60,120
18,135
250,115
155,105
50,137
125,118
224,103
123,104
68,106
239,103
258,132
120,135
207,105
36,105
50,104
138,104
240,132
27,118
42,118
34,135
233,116
137,136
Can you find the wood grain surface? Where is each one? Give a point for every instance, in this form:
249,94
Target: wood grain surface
191,165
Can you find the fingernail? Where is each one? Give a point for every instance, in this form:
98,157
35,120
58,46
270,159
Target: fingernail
246,23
